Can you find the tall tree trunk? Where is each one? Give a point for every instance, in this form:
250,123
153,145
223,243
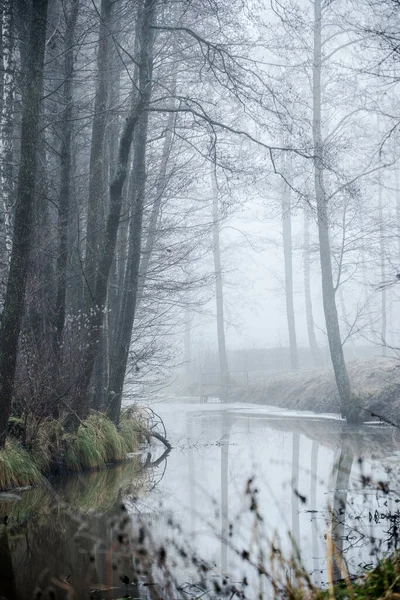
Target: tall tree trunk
7,128
97,153
2,74
219,294
20,255
312,340
288,257
397,187
187,346
71,16
122,341
102,365
146,14
383,339
328,291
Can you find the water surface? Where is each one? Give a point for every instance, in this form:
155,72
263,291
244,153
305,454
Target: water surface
298,469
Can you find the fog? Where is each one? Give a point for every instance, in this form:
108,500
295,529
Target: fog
199,298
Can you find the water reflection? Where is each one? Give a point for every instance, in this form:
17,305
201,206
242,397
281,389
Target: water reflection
343,469
226,423
77,536
314,512
69,539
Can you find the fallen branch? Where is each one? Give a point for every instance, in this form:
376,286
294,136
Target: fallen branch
159,437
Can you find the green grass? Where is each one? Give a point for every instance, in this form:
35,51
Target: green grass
17,467
96,443
383,581
291,580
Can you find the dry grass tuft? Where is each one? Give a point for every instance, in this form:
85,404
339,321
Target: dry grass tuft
17,467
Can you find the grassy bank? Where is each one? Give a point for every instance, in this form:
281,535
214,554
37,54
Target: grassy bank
96,443
375,382
292,582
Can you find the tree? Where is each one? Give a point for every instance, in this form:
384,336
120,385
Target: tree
134,122
65,175
97,173
22,232
328,291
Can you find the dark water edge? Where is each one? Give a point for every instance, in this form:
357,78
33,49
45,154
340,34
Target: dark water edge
78,538
57,539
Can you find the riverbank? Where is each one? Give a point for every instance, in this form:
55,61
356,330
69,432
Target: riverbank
375,382
96,443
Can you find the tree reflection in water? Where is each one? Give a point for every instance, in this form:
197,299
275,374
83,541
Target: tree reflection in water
74,538
364,525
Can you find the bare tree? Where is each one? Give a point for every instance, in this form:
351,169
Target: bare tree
22,231
328,290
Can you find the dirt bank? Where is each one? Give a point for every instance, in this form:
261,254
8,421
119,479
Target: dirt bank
375,380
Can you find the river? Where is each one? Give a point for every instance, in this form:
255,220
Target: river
239,480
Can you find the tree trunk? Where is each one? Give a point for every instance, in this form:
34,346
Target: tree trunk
146,13
101,368
7,129
383,339
187,346
288,257
328,291
66,164
315,349
397,186
122,343
97,154
219,295
20,255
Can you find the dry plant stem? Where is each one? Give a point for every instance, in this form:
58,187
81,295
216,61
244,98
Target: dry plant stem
329,561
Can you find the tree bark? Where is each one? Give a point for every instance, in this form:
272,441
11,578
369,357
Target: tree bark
328,291
219,294
20,255
97,154
66,165
7,128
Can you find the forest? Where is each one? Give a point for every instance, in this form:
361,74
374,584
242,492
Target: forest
131,130
199,219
